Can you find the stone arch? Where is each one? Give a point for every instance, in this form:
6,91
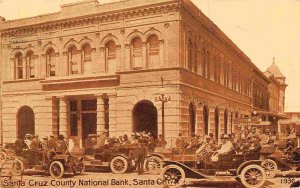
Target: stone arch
108,38
16,51
156,32
48,46
133,35
28,49
144,117
70,43
25,121
86,40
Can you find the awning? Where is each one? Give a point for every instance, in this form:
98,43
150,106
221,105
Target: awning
279,116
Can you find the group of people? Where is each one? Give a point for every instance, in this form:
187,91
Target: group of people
243,140
37,149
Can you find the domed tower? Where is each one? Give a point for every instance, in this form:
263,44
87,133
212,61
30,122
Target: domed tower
273,72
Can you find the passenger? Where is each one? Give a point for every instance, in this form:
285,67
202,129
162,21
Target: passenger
62,144
195,141
102,140
180,143
151,142
205,145
254,146
226,147
28,139
134,139
35,143
20,146
160,142
52,143
212,141
238,132
289,149
126,140
45,143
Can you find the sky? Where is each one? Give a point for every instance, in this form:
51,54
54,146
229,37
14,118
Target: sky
261,29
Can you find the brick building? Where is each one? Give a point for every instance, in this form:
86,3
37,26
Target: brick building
94,66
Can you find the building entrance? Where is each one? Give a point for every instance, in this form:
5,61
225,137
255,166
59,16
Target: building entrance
25,122
145,118
83,120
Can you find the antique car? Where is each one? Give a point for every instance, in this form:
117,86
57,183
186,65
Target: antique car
116,157
246,168
54,163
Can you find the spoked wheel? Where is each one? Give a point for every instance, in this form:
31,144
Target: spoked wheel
118,165
17,167
79,168
56,169
173,175
270,168
153,165
253,176
2,158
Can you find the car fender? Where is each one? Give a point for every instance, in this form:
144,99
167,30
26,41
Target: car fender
244,164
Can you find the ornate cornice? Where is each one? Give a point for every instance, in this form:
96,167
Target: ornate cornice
89,20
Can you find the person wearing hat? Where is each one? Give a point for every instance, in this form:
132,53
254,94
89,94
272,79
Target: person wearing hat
160,141
62,144
195,141
45,143
20,146
102,139
140,155
28,139
180,143
205,145
212,141
134,138
150,142
226,146
35,143
52,143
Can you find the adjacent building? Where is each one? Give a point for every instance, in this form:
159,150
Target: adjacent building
92,67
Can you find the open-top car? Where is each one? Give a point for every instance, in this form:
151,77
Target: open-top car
47,162
116,157
188,168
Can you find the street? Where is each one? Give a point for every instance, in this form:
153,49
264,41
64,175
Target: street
107,179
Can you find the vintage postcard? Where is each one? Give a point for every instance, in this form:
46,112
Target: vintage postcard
149,93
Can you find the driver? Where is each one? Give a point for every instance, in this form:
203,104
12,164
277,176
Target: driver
226,147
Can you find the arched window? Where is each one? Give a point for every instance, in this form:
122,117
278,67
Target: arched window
192,121
19,66
208,65
153,51
217,123
136,53
190,55
30,65
50,62
86,58
74,60
203,63
205,119
226,121
110,56
195,66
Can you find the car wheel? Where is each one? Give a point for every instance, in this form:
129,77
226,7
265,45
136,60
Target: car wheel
79,168
172,175
56,169
270,168
153,165
2,158
17,167
118,165
253,176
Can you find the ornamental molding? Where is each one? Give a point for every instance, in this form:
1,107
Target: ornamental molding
33,29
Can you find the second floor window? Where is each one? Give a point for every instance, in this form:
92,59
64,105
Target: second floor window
50,62
86,58
30,63
110,53
19,66
73,60
136,53
153,51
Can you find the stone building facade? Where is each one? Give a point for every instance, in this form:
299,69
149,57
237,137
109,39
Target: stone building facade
94,66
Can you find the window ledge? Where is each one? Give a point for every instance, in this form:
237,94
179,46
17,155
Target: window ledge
23,80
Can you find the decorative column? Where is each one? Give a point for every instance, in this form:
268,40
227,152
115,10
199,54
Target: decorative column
63,116
144,55
100,115
112,114
161,53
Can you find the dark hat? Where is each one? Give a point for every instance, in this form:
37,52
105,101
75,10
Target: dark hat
61,136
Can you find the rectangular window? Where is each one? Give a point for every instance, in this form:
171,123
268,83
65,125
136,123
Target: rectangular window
73,118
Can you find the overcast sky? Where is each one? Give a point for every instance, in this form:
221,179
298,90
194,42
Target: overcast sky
262,29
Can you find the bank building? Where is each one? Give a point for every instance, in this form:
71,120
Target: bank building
119,66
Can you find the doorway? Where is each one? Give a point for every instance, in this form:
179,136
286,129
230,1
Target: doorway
25,122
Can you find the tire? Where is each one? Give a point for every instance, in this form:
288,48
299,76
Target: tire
79,168
270,168
3,158
153,165
253,176
17,167
172,175
56,169
118,165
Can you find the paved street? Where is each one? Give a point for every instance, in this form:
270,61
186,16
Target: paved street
104,179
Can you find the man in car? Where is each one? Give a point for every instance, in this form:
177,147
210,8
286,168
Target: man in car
180,143
160,141
27,140
20,146
226,147
62,144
